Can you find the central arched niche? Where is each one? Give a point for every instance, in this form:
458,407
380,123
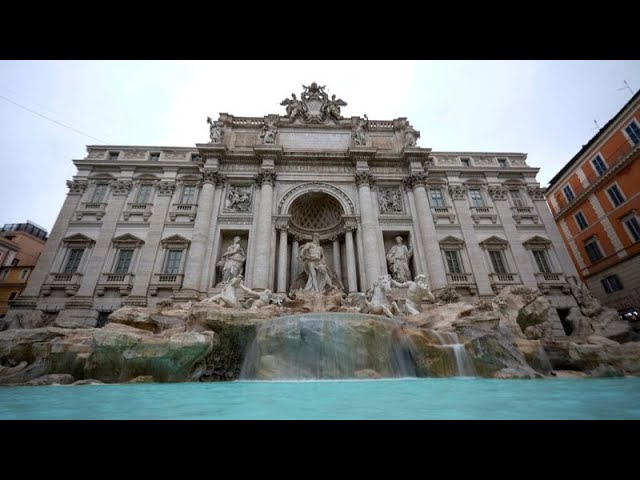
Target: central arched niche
316,212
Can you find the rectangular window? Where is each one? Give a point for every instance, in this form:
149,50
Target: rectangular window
497,260
593,250
502,162
195,157
634,228
99,193
453,261
437,200
615,195
154,156
634,132
568,193
15,262
124,261
143,194
73,260
598,165
13,295
188,194
23,274
113,156
465,162
542,261
4,275
174,258
476,197
611,284
517,198
581,221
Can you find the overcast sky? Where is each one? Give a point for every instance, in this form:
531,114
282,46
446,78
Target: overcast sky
543,108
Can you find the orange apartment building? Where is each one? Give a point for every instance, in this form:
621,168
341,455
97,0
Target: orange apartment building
20,248
595,201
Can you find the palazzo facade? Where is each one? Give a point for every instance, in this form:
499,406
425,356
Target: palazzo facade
144,224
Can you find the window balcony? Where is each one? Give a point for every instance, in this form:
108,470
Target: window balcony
463,281
518,213
479,213
500,280
69,282
120,281
143,209
460,279
90,208
547,280
185,210
165,281
443,212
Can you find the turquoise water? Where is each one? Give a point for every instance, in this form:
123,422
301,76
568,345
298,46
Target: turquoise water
450,398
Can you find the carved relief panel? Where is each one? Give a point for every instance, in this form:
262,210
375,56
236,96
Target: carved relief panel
390,200
238,198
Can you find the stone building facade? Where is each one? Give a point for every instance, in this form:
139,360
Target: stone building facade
142,224
595,202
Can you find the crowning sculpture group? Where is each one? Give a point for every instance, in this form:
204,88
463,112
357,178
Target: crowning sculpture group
316,278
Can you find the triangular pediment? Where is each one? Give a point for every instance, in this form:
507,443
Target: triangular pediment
451,240
175,240
537,240
493,241
128,239
78,238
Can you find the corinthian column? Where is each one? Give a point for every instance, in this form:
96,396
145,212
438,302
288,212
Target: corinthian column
364,180
435,267
337,268
265,181
294,258
282,260
352,283
201,227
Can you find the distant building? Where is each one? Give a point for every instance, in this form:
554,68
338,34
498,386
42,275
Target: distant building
595,200
20,248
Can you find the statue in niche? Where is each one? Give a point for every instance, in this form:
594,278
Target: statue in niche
215,132
332,107
269,131
313,262
411,136
418,290
232,261
398,258
237,200
294,107
359,133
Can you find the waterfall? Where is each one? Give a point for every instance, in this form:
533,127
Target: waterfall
464,364
329,346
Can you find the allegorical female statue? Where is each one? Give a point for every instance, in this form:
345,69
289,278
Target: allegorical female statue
359,133
398,258
232,261
215,132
